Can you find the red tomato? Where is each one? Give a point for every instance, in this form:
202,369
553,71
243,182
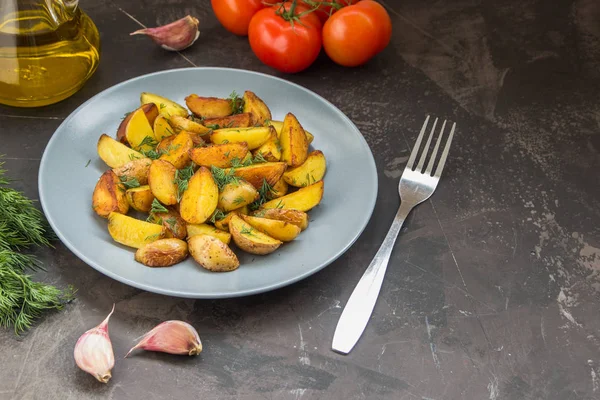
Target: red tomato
235,15
285,38
355,34
326,7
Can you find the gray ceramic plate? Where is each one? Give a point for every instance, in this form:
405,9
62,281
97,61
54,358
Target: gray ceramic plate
66,184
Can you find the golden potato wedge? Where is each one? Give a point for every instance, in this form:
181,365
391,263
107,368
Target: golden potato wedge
114,153
200,199
162,128
162,253
242,120
139,133
165,106
254,105
183,124
175,225
140,198
135,170
161,179
296,217
219,155
303,199
277,229
279,189
177,153
212,254
294,146
279,124
311,171
151,112
255,174
133,232
198,139
223,222
270,150
205,229
165,144
254,137
247,160
209,107
236,194
109,195
250,239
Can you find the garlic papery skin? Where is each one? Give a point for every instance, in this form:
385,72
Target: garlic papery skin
173,337
175,36
94,353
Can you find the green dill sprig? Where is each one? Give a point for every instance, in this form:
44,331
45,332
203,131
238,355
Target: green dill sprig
223,177
23,226
148,140
129,182
237,103
264,194
182,177
247,231
157,207
217,216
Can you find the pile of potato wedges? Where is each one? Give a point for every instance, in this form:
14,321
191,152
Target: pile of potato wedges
189,181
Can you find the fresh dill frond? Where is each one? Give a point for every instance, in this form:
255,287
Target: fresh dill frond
239,200
223,177
152,237
148,140
182,177
128,182
247,231
213,126
264,194
157,207
217,216
258,158
237,103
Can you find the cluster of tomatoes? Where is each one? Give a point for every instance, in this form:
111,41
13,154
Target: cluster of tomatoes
289,35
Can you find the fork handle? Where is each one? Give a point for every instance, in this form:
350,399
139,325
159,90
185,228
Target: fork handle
359,307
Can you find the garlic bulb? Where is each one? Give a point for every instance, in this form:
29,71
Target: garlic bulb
175,36
93,351
174,337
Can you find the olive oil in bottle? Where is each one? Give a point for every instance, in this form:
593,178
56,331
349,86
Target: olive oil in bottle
48,50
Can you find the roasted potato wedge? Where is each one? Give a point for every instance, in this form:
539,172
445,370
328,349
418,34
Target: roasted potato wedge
212,254
219,155
205,229
296,217
114,153
135,170
223,223
209,107
109,195
133,232
277,229
200,199
303,199
175,225
270,150
253,137
165,106
183,124
162,253
139,133
165,144
198,139
151,112
311,171
162,128
242,120
140,198
255,106
279,124
255,174
161,179
294,146
177,153
250,239
279,189
236,194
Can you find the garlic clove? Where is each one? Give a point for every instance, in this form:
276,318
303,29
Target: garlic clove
173,337
175,36
93,351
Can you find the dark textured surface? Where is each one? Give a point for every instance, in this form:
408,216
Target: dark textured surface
493,289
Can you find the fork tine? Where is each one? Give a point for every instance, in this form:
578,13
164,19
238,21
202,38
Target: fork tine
440,167
435,150
413,153
426,148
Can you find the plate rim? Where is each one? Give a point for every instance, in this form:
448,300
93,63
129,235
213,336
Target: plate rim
181,294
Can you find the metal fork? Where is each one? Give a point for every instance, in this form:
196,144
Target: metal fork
416,185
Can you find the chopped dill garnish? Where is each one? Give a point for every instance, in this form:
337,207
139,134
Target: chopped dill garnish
182,177
128,182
